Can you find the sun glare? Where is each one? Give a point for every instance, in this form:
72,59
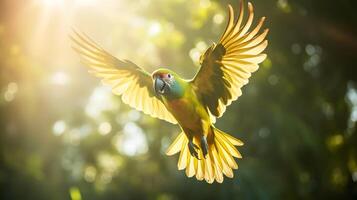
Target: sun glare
61,3
52,3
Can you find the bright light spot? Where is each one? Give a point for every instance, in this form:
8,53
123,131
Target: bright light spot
51,3
264,132
351,98
100,100
354,176
335,141
201,46
354,114
327,109
310,49
165,142
338,177
284,6
196,52
352,95
106,178
109,165
59,127
9,96
73,137
273,79
11,91
12,87
296,48
154,29
137,22
312,61
107,162
134,115
85,130
75,193
133,141
86,2
314,52
205,3
149,48
304,177
104,128
90,173
218,18
60,78
195,55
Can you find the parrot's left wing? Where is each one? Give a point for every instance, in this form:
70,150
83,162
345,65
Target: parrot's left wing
227,66
127,79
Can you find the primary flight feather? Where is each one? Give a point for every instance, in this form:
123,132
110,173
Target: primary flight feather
205,151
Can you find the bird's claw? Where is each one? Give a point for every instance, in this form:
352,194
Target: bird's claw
204,146
193,149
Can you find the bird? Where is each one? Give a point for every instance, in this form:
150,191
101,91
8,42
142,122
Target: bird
205,151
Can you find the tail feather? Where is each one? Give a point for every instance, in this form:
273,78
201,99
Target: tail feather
191,169
227,157
209,175
177,144
227,170
217,165
219,161
227,146
233,140
200,173
182,162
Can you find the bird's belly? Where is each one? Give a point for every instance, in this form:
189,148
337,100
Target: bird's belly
189,114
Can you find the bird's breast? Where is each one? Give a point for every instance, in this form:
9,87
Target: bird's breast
187,111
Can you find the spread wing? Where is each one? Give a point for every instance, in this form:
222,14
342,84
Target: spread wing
227,66
126,79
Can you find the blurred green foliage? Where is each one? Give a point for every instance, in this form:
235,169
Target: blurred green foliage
63,136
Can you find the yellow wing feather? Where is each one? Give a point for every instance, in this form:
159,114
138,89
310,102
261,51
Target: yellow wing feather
176,145
227,66
128,80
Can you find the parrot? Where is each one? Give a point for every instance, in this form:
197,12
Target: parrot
206,152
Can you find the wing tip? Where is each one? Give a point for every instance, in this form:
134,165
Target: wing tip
266,42
250,4
230,11
263,18
267,30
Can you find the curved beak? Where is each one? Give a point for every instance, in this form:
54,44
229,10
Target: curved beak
160,85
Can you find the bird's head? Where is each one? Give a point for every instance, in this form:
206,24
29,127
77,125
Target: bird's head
167,83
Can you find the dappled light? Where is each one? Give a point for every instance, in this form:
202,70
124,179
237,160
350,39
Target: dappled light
65,135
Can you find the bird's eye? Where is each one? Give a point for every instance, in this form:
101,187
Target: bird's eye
169,75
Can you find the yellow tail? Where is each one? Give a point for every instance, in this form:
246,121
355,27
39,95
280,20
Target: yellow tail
219,160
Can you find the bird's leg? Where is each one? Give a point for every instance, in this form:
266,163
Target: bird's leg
204,146
193,148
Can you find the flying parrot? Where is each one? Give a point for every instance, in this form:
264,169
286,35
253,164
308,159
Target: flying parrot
205,151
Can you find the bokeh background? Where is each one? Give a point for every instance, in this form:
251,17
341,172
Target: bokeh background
64,136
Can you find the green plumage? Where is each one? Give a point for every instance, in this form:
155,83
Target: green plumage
226,67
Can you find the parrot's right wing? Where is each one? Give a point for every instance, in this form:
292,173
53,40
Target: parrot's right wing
126,78
228,65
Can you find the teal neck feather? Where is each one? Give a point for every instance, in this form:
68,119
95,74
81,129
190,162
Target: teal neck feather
177,90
